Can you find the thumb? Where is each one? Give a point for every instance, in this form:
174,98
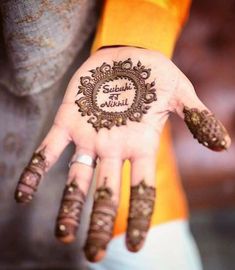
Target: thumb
199,119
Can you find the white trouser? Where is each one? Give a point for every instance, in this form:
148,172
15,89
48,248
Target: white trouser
169,246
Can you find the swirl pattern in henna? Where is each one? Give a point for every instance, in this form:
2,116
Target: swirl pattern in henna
114,94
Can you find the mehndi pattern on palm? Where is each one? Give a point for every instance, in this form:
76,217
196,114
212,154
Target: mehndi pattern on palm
114,94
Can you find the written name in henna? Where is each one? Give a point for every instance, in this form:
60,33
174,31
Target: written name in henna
107,89
112,103
115,93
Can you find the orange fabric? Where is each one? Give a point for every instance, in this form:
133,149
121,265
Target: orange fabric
170,203
151,24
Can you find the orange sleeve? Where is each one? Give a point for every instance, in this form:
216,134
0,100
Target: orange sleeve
151,24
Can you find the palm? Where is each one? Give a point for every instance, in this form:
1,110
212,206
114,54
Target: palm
114,109
133,135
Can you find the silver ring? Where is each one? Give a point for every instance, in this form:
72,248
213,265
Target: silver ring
83,159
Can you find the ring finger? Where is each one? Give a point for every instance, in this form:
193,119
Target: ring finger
142,199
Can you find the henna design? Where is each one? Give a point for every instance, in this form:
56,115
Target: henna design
114,94
142,200
101,224
68,218
31,176
206,128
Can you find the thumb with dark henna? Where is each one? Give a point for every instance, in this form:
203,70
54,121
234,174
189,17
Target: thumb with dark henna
204,126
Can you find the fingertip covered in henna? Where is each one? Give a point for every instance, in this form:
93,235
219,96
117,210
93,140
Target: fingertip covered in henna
101,224
142,201
22,197
207,129
30,178
93,254
66,232
134,247
68,219
226,142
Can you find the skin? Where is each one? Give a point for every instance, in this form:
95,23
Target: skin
135,141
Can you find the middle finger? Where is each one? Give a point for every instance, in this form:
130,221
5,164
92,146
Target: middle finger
104,208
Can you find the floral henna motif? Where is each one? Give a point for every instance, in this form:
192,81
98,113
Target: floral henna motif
30,178
114,94
101,224
68,218
206,128
142,200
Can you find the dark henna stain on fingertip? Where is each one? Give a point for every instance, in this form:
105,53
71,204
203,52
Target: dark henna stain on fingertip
142,200
66,232
69,215
206,129
101,224
31,176
94,255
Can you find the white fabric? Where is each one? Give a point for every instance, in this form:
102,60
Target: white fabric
169,246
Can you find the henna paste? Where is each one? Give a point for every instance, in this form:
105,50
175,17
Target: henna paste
101,224
30,178
114,94
142,200
206,129
68,218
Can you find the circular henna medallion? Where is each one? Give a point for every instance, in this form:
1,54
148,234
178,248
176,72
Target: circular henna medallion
114,94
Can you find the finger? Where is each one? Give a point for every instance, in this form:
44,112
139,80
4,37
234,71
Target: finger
76,189
142,200
201,122
104,209
43,158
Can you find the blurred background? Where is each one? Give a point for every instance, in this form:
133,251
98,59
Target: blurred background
205,53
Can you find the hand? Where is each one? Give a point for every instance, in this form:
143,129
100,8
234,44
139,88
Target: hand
114,109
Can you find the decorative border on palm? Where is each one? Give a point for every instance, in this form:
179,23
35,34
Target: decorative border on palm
145,93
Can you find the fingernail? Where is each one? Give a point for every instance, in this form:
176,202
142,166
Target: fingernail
22,197
226,142
93,254
66,232
135,240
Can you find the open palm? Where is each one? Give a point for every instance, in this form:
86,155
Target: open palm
114,109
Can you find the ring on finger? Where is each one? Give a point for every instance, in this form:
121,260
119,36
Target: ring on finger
83,159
